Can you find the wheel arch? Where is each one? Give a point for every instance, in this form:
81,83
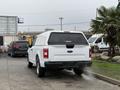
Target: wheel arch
40,60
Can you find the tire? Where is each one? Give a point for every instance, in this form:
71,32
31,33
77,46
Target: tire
30,65
39,70
8,54
78,71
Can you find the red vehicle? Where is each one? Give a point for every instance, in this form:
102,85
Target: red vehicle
18,48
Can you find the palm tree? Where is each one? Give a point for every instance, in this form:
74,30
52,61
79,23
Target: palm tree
108,22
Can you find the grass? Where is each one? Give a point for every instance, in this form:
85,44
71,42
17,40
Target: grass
106,68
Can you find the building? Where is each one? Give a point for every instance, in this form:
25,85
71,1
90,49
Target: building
8,30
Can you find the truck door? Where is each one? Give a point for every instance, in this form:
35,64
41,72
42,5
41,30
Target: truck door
31,51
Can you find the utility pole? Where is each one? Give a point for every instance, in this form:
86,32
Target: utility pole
75,28
61,24
96,12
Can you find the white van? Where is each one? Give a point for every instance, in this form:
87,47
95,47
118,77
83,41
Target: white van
97,41
60,50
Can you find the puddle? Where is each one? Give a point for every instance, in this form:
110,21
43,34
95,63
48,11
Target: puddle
87,75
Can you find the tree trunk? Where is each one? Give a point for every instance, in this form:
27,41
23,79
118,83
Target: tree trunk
111,51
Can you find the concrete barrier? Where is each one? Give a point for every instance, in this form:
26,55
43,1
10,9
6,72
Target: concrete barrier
107,79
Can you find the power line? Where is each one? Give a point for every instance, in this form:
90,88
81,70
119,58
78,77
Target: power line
57,24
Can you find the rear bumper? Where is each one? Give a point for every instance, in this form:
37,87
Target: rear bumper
20,52
68,64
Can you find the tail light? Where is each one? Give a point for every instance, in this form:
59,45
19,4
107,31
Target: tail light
45,53
90,53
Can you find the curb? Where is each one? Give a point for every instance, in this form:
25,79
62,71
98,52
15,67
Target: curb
107,79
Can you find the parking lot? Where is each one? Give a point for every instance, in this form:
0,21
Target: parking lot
15,75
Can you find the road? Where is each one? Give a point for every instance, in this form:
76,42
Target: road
15,75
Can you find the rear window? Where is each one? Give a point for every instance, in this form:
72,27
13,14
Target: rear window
64,38
22,44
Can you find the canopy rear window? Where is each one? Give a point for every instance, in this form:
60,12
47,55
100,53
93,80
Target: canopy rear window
62,38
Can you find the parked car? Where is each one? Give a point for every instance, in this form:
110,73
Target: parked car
97,43
18,48
59,50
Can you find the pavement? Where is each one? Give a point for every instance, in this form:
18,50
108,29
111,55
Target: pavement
15,75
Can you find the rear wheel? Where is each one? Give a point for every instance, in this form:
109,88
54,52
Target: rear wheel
78,71
39,70
8,54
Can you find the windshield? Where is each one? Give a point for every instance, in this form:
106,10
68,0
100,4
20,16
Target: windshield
64,38
92,39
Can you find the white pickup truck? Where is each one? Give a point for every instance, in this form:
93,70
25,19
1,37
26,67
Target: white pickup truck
59,50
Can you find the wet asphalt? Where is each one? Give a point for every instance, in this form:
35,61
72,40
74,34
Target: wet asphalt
15,75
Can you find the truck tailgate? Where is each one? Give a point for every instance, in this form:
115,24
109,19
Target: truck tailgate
61,53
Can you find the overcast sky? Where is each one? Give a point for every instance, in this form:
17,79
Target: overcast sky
47,11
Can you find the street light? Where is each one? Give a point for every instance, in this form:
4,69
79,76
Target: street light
61,24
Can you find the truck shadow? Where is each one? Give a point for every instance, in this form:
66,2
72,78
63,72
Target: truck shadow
66,75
